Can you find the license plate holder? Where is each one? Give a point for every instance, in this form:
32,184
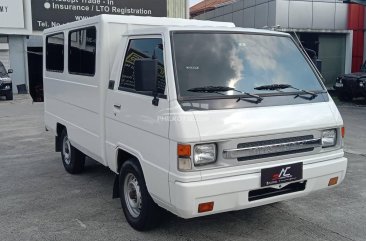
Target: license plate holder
281,174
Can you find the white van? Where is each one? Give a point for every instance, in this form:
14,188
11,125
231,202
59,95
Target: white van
195,117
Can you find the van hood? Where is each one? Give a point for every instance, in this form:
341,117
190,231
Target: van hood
237,123
354,75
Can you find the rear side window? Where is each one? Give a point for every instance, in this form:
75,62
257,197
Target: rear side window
55,52
82,51
151,48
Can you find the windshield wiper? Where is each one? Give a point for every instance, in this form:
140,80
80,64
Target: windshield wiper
286,86
211,89
219,89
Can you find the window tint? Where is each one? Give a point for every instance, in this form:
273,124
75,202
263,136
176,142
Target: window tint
55,52
142,49
82,51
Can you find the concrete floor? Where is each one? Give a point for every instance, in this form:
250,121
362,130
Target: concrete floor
40,201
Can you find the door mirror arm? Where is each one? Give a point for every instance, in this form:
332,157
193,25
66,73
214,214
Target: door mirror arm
155,101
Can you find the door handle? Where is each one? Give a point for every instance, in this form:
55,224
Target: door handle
117,106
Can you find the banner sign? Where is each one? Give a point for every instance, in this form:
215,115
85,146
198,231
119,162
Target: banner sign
11,14
51,13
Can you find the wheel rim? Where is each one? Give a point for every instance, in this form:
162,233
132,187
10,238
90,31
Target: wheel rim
132,194
66,150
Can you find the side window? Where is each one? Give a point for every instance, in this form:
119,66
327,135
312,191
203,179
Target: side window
55,52
82,51
151,48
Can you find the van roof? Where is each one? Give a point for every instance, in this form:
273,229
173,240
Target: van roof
137,20
162,29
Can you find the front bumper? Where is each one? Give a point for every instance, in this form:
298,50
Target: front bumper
5,88
232,193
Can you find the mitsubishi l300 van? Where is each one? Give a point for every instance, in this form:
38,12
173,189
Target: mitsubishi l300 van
195,117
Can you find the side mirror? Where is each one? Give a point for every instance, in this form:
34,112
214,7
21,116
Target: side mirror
10,71
146,76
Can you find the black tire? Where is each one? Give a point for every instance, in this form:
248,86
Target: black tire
149,213
72,159
9,95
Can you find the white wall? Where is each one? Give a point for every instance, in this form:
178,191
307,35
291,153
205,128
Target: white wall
27,30
18,60
349,47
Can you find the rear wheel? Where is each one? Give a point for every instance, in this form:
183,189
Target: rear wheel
9,95
72,159
140,210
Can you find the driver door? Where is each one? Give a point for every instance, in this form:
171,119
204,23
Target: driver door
134,124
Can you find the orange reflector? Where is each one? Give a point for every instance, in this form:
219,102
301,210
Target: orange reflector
333,181
343,130
205,207
184,150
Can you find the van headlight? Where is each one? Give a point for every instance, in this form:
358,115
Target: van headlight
362,83
204,154
329,138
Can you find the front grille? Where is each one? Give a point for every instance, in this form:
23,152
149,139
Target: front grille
272,192
350,83
275,141
272,148
249,158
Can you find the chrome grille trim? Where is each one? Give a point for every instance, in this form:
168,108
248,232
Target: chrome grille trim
272,149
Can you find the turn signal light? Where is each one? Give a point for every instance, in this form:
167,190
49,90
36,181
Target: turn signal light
343,131
205,207
333,181
184,150
184,164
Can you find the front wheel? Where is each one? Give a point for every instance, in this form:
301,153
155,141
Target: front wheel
140,210
72,159
9,95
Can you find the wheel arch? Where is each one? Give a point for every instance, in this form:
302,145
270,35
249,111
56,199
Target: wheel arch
58,142
122,157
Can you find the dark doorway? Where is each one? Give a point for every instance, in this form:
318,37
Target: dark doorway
310,41
330,50
35,61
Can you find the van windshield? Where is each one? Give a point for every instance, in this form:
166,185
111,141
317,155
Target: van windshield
240,61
